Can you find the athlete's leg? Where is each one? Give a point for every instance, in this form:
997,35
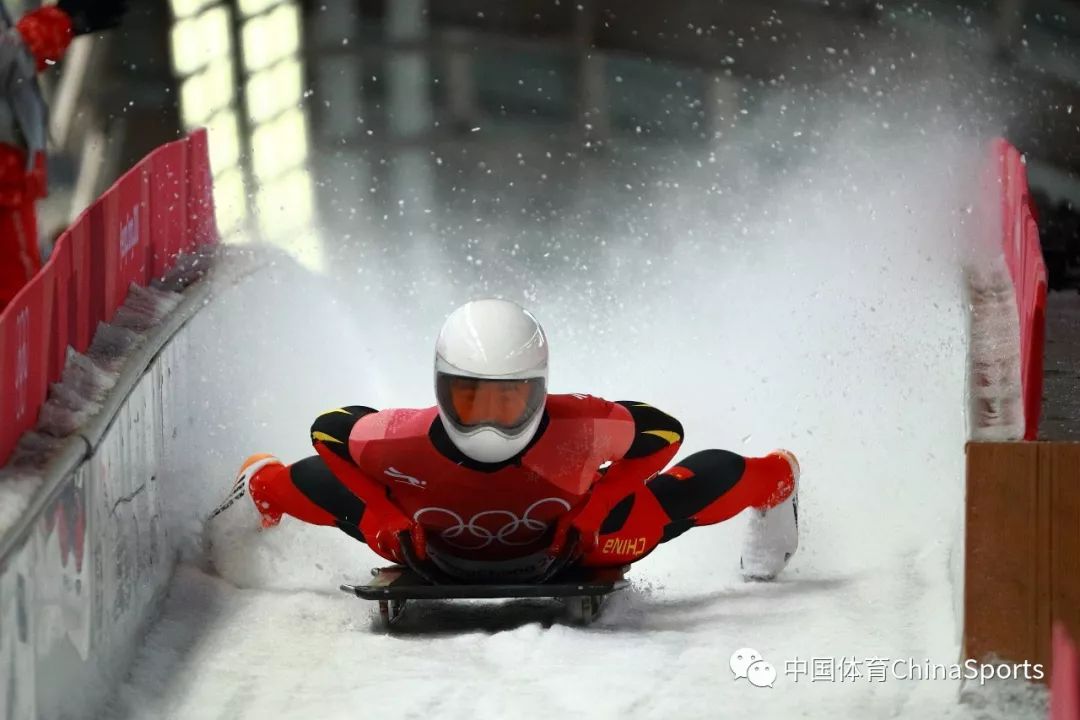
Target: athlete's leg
705,488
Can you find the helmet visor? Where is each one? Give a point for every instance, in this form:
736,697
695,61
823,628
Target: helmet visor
508,405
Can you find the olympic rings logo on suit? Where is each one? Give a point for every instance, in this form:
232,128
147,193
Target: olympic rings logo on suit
532,528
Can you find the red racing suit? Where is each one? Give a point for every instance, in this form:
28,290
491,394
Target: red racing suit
594,465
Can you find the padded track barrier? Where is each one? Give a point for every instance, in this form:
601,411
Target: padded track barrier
1022,527
1023,255
160,209
83,568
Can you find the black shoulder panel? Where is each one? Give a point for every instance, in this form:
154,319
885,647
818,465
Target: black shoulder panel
654,429
333,428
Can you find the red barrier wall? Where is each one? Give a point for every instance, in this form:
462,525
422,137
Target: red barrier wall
1023,255
168,205
133,233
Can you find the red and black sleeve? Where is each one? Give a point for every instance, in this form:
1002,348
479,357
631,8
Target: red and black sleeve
655,439
330,435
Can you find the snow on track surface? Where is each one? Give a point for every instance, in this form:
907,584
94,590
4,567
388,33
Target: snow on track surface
819,309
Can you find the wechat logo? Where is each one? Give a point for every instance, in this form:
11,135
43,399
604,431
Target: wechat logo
748,663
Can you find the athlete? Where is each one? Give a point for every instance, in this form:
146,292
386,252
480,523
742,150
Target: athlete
500,478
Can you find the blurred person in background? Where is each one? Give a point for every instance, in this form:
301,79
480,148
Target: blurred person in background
38,40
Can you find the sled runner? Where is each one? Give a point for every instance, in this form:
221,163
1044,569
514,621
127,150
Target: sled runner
583,589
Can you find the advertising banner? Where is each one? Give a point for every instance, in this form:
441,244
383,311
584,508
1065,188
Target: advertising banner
62,597
25,337
168,205
17,668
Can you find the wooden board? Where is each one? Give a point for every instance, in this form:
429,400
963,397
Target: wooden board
1022,561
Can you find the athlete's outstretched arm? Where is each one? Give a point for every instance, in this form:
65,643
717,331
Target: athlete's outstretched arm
656,438
332,429
647,440
330,435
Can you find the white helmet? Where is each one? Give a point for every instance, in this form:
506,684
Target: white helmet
491,366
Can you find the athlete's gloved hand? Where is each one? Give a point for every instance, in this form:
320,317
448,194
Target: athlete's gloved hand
581,525
88,16
383,527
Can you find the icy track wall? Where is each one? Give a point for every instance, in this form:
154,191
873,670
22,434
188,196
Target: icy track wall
84,551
